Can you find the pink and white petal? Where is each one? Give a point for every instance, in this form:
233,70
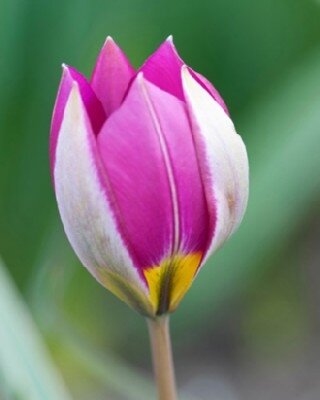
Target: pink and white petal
111,76
223,161
82,199
151,165
92,105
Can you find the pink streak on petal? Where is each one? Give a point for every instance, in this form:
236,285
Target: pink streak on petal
136,168
111,76
92,104
163,69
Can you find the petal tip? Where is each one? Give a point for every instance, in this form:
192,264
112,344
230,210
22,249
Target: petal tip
185,75
109,43
74,100
184,69
75,88
109,39
109,46
74,104
67,72
170,43
169,39
140,81
140,77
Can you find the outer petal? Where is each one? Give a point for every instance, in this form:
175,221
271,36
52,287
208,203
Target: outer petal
223,161
86,211
92,104
163,69
111,76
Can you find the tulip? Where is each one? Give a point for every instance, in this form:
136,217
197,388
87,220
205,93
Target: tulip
149,173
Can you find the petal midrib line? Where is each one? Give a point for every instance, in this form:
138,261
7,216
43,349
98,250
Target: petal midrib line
168,166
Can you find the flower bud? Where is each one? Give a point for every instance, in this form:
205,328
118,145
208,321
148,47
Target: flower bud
149,173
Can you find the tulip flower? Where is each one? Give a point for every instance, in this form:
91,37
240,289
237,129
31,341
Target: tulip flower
150,175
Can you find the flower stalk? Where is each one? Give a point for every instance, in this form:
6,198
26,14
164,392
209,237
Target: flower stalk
162,357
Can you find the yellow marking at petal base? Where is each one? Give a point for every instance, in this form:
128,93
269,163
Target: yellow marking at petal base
169,281
183,277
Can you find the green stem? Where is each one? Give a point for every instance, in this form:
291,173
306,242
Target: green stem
162,357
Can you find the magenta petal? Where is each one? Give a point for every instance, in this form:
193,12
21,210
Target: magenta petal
150,164
111,76
163,69
92,104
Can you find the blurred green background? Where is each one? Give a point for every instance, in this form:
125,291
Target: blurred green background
249,327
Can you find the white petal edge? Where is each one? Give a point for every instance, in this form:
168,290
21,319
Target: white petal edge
85,212
226,173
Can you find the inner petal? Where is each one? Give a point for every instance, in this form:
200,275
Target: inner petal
163,68
111,76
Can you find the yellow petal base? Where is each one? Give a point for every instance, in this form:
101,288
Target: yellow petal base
169,281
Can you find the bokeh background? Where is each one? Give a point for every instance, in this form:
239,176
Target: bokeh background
250,326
